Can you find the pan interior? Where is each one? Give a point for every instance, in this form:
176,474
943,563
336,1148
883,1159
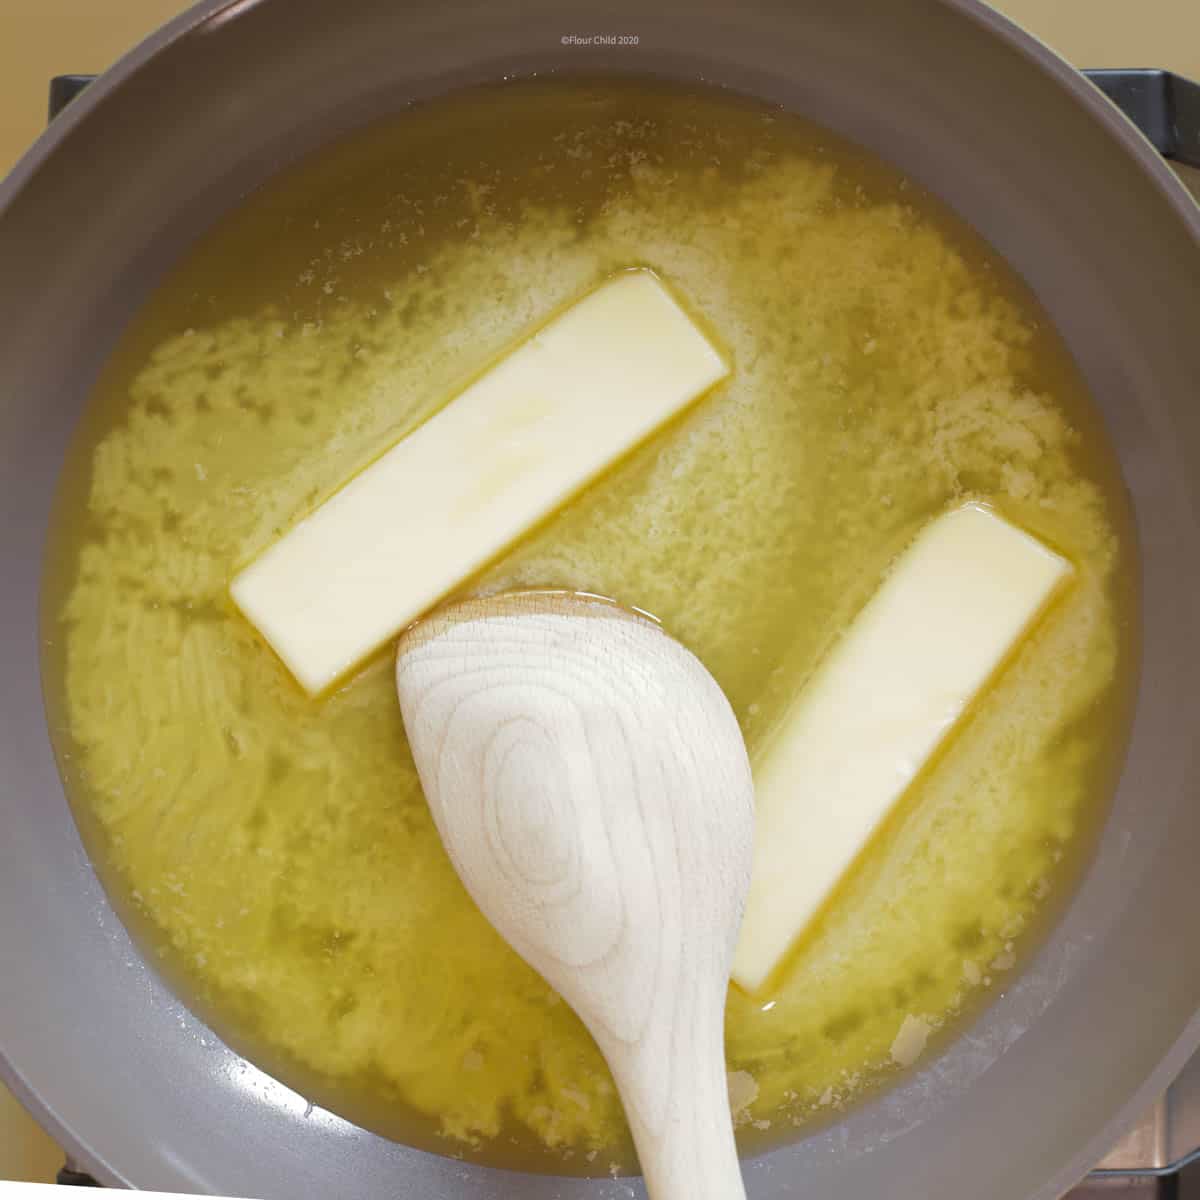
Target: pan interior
275,855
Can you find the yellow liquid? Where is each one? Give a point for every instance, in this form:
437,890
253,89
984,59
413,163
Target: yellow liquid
276,853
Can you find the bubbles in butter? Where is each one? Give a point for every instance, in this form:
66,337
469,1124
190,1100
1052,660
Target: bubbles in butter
277,854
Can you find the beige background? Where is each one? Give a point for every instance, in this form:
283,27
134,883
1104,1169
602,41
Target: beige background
41,38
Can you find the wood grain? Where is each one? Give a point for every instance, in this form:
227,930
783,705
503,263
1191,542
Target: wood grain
592,789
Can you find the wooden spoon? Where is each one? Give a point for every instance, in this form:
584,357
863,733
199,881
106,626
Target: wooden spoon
592,789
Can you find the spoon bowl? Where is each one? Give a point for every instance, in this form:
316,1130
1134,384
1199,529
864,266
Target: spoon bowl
591,786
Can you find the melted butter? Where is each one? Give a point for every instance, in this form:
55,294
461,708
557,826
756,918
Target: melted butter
276,854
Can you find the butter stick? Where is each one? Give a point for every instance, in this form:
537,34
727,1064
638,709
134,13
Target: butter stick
536,428
947,616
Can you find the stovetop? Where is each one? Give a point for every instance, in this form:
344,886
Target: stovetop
1159,1159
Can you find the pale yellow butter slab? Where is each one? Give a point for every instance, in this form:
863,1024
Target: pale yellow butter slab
536,428
950,611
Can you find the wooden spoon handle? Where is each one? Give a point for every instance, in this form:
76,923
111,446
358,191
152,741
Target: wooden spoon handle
690,1153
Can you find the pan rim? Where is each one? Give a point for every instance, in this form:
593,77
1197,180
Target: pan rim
1084,95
